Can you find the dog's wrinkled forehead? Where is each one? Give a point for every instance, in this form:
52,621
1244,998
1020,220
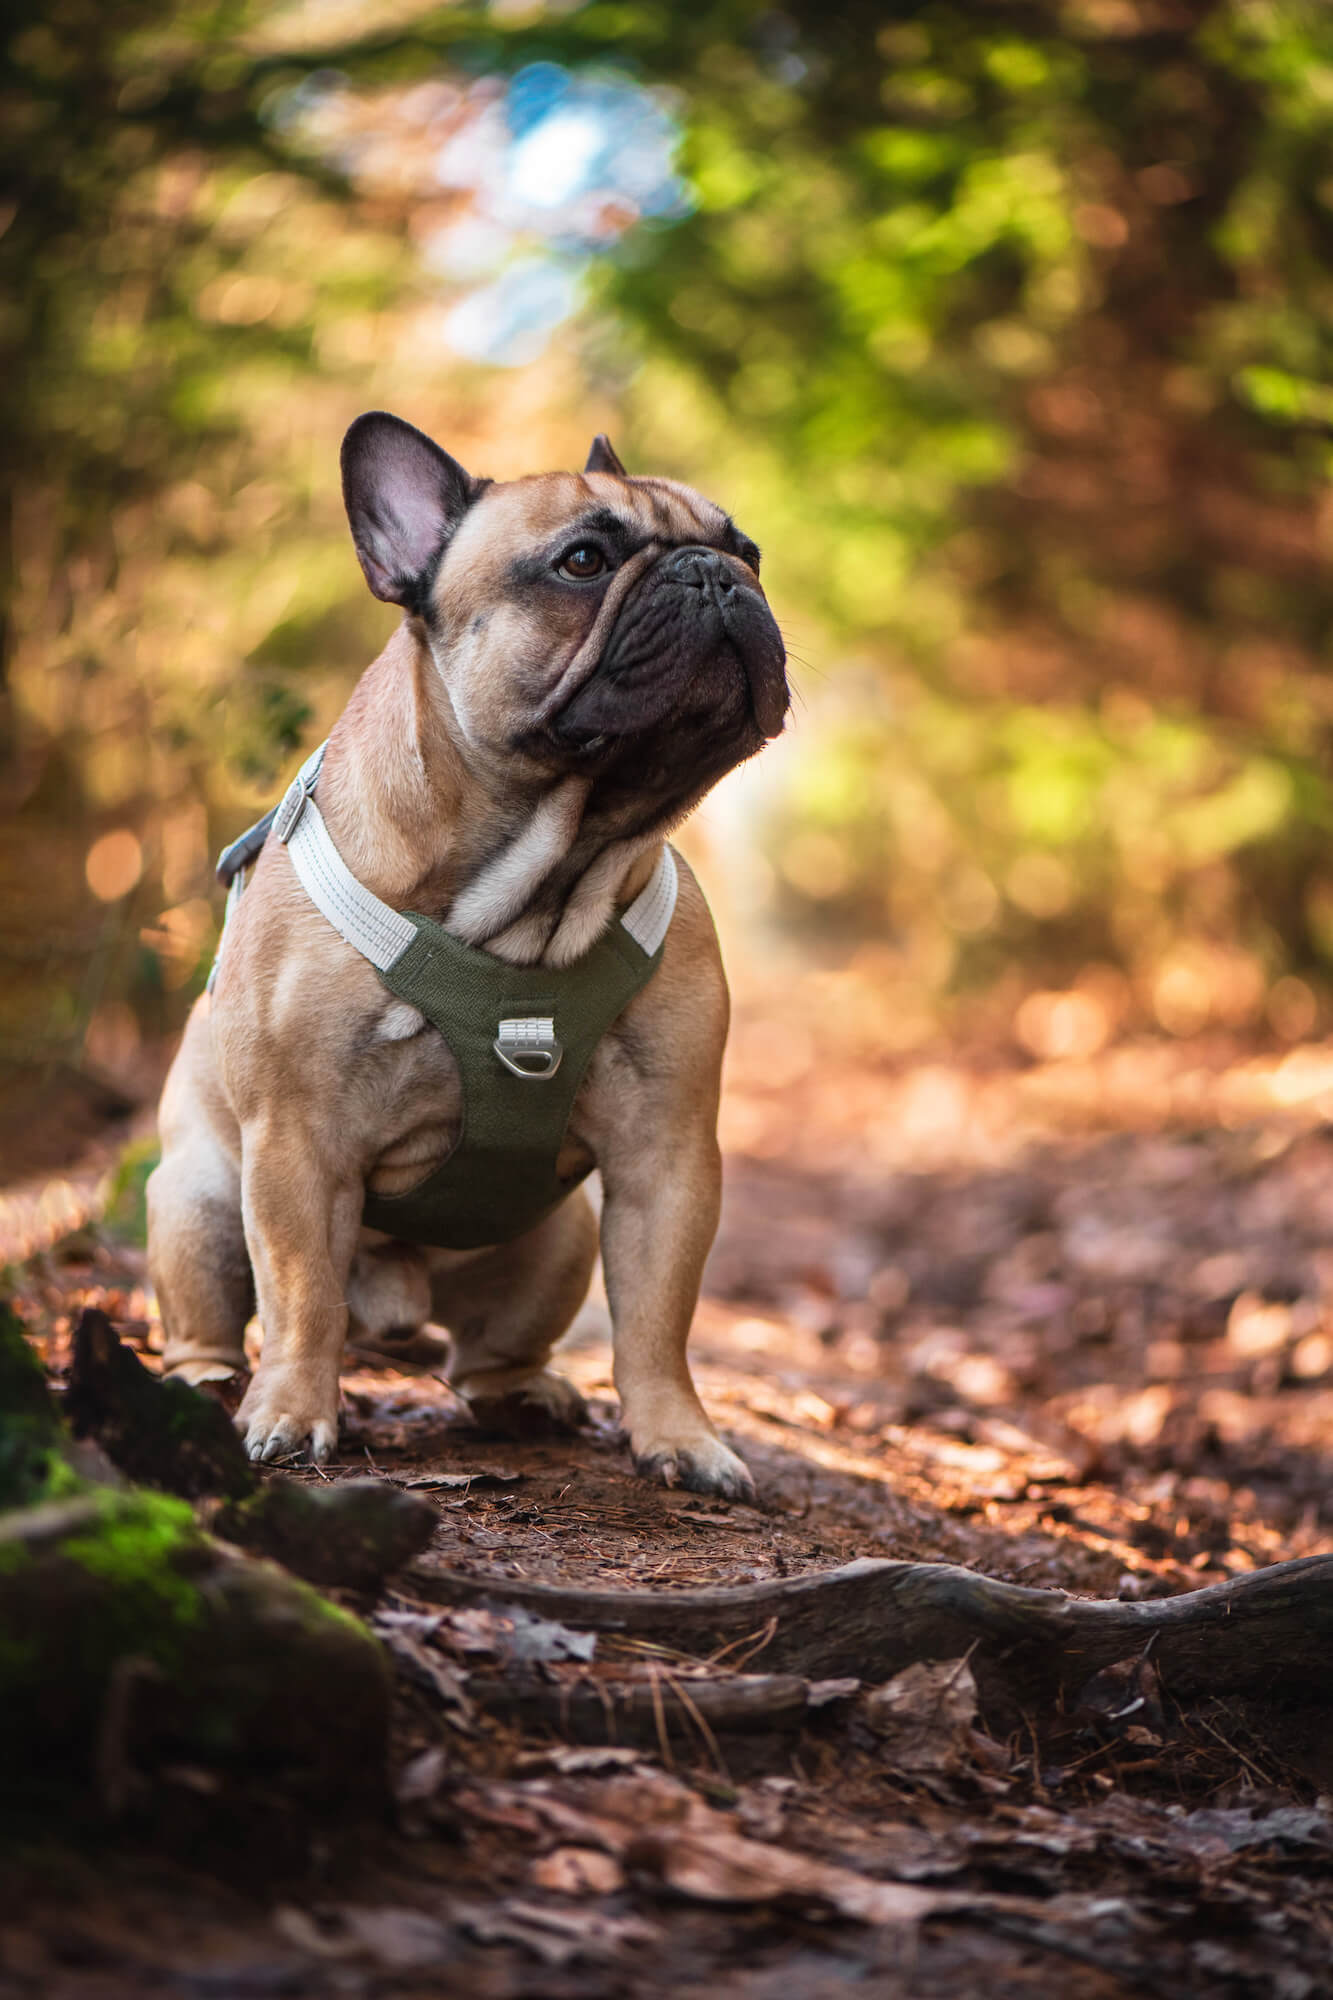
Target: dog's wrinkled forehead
515,530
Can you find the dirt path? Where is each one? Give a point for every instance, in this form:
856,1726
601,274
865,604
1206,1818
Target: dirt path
1072,1330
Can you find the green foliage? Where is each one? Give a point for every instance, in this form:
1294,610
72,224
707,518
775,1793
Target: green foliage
124,1214
1010,329
1006,328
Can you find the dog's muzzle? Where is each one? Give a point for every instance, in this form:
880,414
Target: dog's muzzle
748,624
674,651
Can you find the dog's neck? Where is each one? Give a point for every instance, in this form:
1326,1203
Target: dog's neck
523,875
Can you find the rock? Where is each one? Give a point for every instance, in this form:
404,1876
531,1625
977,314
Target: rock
354,1532
131,1642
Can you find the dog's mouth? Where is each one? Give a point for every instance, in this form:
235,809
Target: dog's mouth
694,658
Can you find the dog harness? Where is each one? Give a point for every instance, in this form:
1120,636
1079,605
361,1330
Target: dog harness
522,1036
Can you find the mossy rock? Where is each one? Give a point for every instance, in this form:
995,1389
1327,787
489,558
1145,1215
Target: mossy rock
33,1442
129,1641
352,1533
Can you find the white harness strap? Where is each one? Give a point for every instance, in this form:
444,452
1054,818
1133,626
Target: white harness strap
381,933
648,918
378,932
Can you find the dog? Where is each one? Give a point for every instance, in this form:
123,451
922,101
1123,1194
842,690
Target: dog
581,657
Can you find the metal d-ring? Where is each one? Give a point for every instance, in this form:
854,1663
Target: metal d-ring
528,1047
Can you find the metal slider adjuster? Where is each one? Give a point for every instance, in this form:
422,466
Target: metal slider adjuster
287,817
528,1047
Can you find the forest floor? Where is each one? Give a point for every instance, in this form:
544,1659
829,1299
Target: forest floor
1068,1325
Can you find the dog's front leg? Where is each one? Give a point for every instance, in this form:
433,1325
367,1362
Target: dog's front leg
658,1223
301,1228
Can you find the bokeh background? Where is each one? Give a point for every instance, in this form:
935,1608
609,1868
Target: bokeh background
1004,327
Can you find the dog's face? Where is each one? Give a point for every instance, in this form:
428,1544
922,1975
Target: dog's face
584,623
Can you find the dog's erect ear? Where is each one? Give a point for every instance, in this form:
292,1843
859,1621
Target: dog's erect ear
602,457
404,499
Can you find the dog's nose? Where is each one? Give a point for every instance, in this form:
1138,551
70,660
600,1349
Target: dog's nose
702,567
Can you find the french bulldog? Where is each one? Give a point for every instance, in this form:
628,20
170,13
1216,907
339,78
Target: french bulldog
581,657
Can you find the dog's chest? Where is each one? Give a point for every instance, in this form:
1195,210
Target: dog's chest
410,1091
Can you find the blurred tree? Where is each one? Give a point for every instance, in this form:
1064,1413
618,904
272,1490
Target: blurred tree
166,277
1007,325
1012,324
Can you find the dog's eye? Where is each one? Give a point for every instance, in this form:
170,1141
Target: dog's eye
584,561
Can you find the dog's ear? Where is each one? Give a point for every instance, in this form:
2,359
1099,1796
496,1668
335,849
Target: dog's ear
404,499
602,457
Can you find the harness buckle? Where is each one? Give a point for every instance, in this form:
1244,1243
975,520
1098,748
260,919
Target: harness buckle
288,815
528,1047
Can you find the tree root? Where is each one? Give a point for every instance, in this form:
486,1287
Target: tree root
1269,1632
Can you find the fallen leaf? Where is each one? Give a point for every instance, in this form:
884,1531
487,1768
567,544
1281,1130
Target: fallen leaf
578,1871
420,1663
534,1638
660,1828
450,1482
416,1624
1291,1826
573,1760
299,1928
925,1714
558,1937
421,1778
713,1865
399,1938
508,1632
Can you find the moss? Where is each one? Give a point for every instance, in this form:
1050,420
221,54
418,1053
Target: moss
141,1547
13,1555
125,1210
136,1547
323,1611
31,1434
61,1478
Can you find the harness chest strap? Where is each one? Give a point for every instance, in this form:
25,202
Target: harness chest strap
521,1036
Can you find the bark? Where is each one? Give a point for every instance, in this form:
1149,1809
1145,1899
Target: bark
666,1709
1269,1631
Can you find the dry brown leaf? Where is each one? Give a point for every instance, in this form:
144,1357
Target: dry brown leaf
926,1714
398,1938
714,1865
578,1871
558,1937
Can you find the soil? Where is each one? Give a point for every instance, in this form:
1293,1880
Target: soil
1068,1325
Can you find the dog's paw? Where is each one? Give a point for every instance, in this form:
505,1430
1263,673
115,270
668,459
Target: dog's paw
541,1405
701,1464
281,1415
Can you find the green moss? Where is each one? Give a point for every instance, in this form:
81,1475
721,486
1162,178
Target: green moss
31,1434
323,1611
125,1213
137,1546
61,1478
13,1555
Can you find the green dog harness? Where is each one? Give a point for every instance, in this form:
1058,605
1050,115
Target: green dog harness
521,1036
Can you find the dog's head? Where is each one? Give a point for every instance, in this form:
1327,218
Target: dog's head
583,623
